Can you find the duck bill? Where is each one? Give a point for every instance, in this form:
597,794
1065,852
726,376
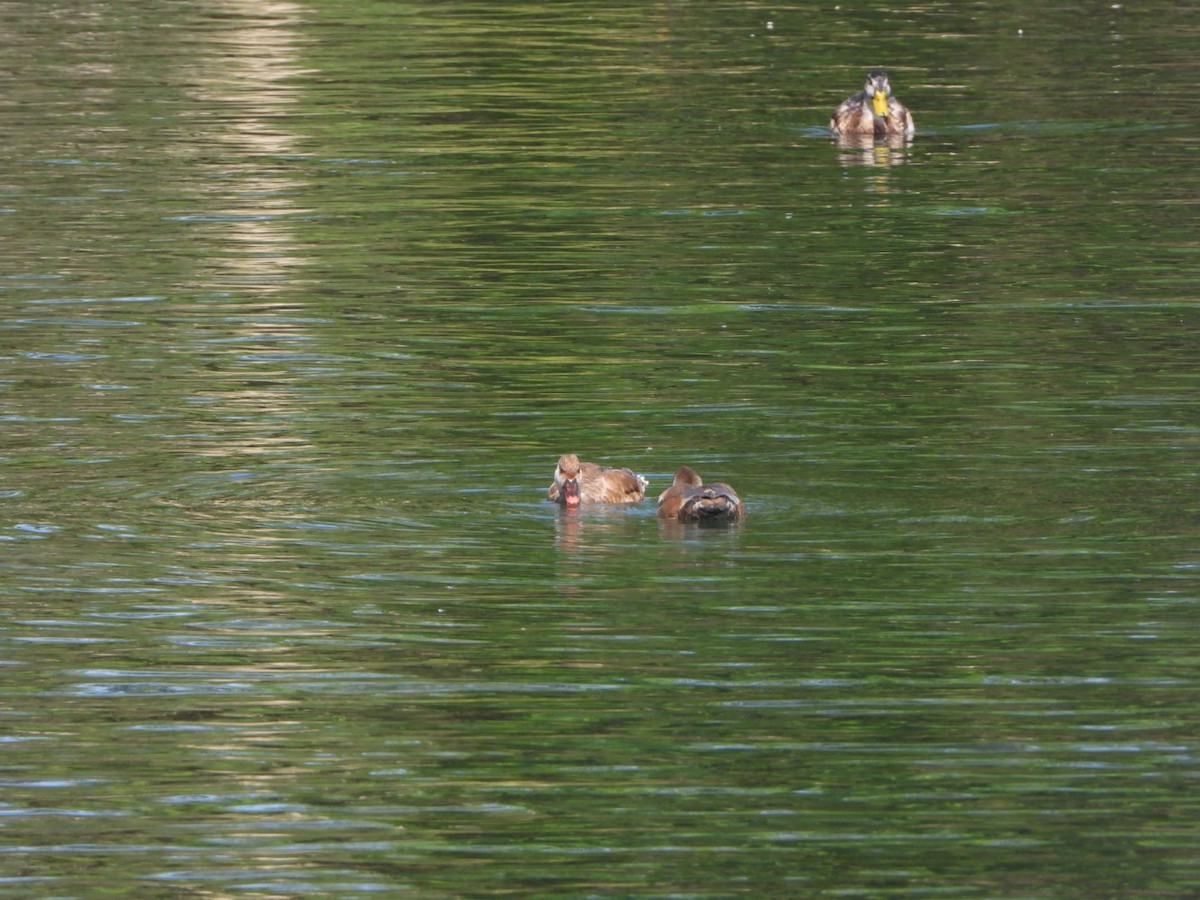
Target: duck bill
570,492
880,102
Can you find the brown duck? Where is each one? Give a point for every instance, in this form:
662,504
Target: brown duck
689,499
578,482
873,110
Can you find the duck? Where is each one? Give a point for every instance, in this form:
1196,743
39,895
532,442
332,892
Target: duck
578,482
689,499
873,110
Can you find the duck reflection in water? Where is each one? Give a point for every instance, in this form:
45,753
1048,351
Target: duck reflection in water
689,499
864,150
578,482
590,534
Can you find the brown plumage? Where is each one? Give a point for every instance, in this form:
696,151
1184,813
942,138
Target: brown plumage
689,499
873,110
578,482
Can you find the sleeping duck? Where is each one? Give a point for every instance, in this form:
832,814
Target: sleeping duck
689,499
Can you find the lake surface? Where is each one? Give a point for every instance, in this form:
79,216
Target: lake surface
302,301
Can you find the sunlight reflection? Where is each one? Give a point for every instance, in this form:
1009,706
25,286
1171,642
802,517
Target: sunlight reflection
248,77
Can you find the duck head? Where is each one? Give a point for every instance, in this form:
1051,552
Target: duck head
566,476
878,89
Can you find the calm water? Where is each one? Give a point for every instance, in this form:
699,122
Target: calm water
301,302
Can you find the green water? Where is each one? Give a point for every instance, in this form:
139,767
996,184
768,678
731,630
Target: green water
301,303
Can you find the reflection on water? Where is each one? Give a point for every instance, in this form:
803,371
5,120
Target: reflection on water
866,150
598,529
249,76
675,530
300,300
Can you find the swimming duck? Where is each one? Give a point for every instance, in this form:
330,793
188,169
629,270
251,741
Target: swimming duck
578,482
689,499
873,110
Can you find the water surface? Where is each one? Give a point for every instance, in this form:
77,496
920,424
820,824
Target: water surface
303,300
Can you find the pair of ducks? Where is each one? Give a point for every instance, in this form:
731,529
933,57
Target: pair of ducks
688,499
872,111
